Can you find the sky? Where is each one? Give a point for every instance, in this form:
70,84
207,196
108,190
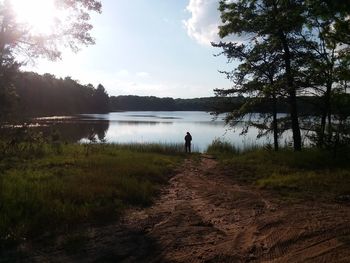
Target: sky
149,48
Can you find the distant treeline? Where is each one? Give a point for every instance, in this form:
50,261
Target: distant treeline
48,95
39,95
307,105
151,103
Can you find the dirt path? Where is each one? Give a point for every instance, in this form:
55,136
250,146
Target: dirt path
204,216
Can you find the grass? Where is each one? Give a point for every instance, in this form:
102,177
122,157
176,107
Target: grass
225,149
222,148
310,174
45,189
171,148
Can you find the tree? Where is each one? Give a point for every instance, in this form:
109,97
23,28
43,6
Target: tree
8,65
72,30
45,95
328,31
335,12
257,77
272,23
101,99
311,39
18,41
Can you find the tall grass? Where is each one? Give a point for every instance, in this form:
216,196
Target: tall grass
227,149
312,173
166,148
48,190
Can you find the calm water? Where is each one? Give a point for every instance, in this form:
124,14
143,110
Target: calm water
151,127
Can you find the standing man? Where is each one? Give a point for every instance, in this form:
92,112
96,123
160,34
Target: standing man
188,139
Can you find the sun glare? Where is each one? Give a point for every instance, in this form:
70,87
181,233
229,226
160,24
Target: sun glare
38,14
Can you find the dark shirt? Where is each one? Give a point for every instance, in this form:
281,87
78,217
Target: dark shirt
188,138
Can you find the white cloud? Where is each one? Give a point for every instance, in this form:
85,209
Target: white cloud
204,21
203,25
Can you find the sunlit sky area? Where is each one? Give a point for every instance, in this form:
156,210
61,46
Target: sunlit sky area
29,13
148,47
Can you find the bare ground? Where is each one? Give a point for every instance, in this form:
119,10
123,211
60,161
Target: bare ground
205,216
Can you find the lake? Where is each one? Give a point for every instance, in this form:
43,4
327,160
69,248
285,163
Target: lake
151,127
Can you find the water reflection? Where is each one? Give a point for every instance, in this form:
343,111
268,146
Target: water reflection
68,130
148,127
170,127
74,131
152,123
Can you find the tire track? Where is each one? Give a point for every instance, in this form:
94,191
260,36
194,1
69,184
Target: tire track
205,216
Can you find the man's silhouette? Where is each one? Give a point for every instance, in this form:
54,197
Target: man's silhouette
188,139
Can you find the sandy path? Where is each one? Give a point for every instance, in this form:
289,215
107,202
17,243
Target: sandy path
204,216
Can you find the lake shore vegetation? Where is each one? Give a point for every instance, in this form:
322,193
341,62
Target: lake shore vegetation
312,174
50,187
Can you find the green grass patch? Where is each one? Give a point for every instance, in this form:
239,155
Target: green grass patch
225,150
222,148
312,173
48,191
166,148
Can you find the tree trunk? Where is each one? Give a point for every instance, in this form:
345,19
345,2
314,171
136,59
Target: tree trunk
326,114
274,121
295,120
330,128
292,94
322,129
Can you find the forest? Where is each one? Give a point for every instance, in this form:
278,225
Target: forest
152,103
308,105
47,95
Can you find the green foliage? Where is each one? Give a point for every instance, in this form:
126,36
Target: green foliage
138,103
218,147
151,103
224,149
101,99
170,148
269,59
48,191
71,31
289,48
43,95
310,184
19,42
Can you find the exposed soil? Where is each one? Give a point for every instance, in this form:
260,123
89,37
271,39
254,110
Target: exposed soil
205,216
